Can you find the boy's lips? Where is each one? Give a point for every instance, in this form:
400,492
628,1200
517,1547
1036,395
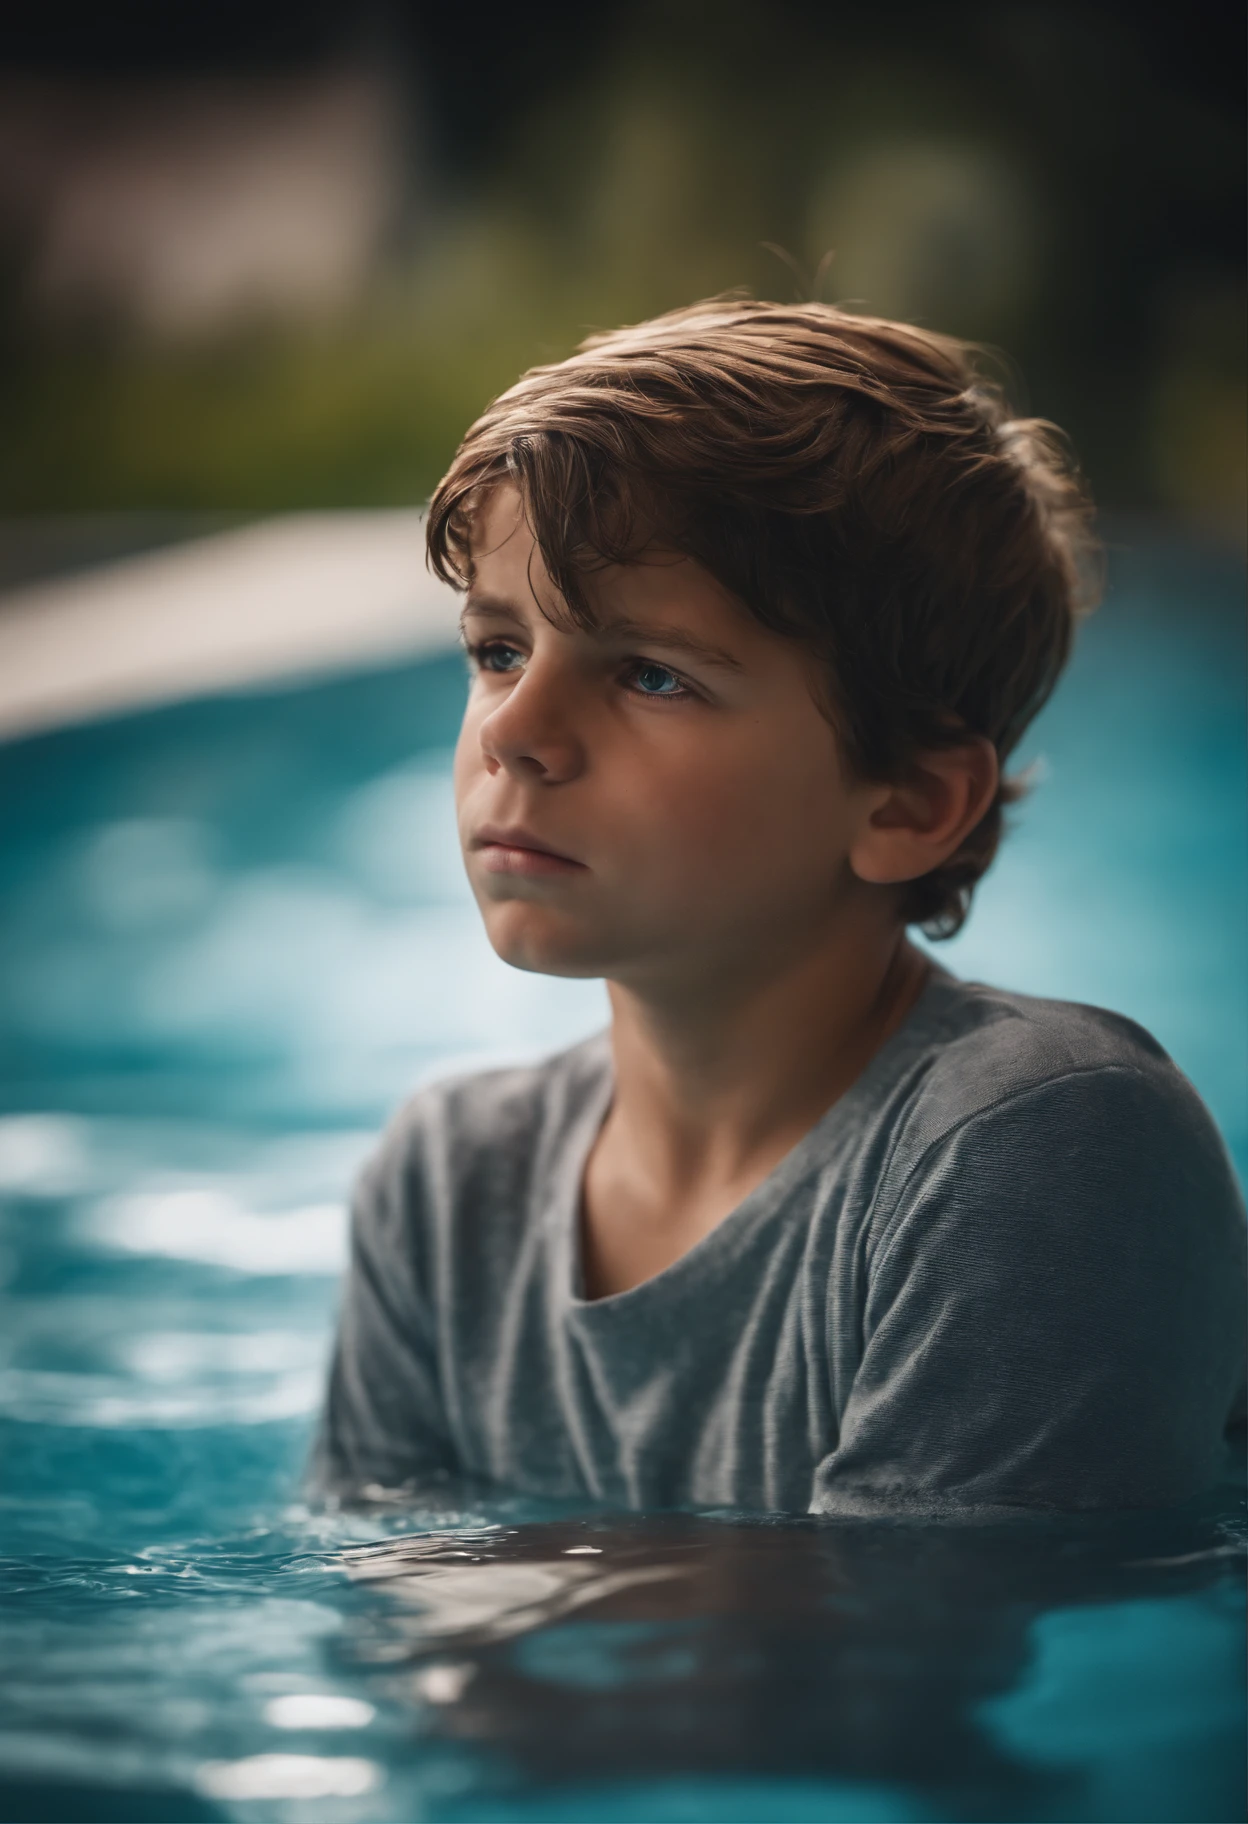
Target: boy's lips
511,849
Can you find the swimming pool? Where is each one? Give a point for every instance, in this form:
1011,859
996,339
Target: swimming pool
232,933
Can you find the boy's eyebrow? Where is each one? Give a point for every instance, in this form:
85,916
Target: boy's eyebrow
489,604
679,637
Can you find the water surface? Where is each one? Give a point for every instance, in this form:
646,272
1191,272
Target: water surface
232,934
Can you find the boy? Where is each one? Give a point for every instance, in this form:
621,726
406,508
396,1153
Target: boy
759,600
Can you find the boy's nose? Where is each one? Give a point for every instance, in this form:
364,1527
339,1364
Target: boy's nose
530,735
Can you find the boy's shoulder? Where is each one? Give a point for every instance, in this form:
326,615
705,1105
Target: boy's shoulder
1051,1074
498,1120
989,1041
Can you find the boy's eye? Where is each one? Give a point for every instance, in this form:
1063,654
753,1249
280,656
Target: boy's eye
496,655
656,680
645,676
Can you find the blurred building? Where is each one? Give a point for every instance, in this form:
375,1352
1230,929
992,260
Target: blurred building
185,209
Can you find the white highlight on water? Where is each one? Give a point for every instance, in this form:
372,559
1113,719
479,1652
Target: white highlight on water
288,1776
42,1155
210,1225
318,1710
442,1684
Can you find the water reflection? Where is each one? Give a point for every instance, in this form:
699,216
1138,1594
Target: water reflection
580,1656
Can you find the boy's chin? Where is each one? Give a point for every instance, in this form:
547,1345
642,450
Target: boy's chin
543,946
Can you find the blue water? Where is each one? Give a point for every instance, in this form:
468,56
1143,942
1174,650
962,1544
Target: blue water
232,934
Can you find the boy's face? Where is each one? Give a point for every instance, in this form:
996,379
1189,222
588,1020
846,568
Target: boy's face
652,800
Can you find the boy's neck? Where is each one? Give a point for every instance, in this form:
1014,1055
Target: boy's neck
713,1079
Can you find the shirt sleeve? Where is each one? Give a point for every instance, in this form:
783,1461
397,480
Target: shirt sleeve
382,1425
1054,1311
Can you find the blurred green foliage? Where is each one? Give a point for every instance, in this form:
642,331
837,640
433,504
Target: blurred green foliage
1031,177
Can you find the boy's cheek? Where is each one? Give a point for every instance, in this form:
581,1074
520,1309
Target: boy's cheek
724,819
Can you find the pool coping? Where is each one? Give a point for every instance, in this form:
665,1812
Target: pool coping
303,595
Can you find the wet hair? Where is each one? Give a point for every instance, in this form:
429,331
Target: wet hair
860,485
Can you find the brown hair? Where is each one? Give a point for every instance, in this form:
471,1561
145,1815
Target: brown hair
858,484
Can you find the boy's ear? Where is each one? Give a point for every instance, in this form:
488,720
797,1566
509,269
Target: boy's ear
910,828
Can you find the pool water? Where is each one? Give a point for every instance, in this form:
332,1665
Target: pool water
232,934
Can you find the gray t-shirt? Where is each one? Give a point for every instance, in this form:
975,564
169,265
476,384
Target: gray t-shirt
1006,1269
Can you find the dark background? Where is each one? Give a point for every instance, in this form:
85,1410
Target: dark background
271,255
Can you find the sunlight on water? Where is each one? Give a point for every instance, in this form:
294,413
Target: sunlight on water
211,1226
288,1776
318,1710
493,1601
